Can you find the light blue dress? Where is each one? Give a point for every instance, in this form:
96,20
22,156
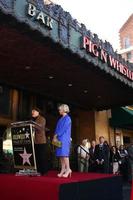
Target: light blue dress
63,131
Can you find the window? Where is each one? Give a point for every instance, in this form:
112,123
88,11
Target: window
129,56
126,140
5,100
40,103
25,106
127,43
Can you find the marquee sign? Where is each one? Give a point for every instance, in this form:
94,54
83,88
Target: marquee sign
100,53
39,16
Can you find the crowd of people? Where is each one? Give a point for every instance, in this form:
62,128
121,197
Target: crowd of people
103,158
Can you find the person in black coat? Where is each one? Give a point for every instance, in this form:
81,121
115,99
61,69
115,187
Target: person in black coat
114,160
123,162
102,153
92,162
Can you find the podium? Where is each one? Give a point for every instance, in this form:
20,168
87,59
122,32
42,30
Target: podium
23,133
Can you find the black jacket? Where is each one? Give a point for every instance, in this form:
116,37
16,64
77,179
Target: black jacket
114,157
102,153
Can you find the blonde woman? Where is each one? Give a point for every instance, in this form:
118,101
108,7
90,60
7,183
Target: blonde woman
63,134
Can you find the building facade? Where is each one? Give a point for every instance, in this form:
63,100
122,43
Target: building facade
48,58
125,134
126,40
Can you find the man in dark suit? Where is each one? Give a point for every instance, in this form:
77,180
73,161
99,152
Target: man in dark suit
92,162
102,153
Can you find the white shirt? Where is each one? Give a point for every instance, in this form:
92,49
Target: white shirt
81,152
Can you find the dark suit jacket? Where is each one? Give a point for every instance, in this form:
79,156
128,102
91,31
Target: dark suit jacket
92,155
102,153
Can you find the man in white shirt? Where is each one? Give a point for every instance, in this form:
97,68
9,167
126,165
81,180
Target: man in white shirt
83,156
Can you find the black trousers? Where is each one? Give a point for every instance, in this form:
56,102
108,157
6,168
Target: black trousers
41,158
104,168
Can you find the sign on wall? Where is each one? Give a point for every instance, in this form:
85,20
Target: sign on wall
39,16
100,53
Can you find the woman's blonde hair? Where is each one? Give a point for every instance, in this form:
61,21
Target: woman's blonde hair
64,107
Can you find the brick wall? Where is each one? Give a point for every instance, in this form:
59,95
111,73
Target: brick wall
126,32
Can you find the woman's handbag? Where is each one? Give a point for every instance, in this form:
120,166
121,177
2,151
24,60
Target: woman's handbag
56,142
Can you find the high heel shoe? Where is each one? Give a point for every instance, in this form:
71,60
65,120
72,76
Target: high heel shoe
67,174
61,173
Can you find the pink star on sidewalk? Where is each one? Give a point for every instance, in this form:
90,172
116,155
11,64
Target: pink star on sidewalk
25,157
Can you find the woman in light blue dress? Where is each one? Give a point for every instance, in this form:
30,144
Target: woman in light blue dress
63,134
